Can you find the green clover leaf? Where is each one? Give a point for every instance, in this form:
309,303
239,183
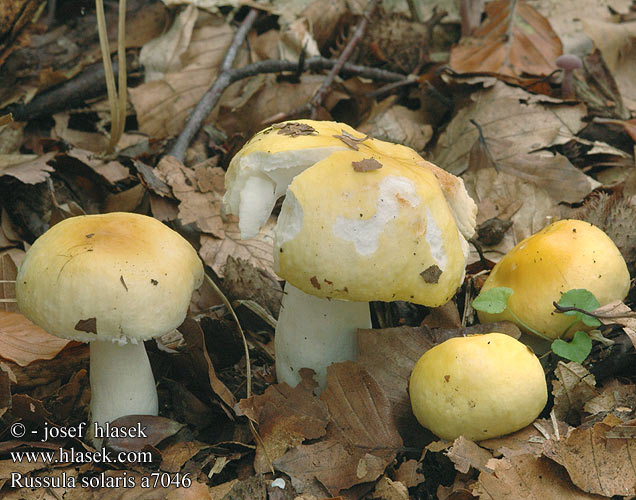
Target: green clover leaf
493,301
576,350
582,299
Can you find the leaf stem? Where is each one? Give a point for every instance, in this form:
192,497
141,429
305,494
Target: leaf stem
527,327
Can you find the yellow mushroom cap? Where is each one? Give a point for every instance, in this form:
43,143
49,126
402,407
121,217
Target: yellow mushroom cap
565,255
363,227
479,387
261,171
118,276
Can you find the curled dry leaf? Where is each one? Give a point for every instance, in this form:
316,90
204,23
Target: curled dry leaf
258,251
361,438
198,206
286,417
530,439
163,105
596,462
526,476
574,387
515,40
154,429
507,113
23,342
28,169
615,398
466,454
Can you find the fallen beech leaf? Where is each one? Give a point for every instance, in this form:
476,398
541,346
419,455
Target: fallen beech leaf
526,476
244,281
361,439
154,429
409,473
400,125
286,417
615,41
466,454
527,440
175,455
575,387
515,40
162,106
196,206
29,169
596,463
23,342
386,489
628,324
506,113
259,251
200,360
615,397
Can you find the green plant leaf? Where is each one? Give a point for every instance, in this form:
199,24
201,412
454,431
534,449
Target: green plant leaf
576,350
583,299
493,301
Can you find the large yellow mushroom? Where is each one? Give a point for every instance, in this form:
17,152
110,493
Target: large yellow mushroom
568,254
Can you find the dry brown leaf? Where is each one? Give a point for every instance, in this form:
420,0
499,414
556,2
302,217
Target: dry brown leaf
286,417
244,281
616,398
508,113
409,473
199,360
111,171
628,324
566,18
596,463
89,141
525,476
176,454
29,169
574,387
389,355
203,208
616,43
514,40
466,454
23,342
386,489
400,125
527,440
162,106
258,251
155,428
361,440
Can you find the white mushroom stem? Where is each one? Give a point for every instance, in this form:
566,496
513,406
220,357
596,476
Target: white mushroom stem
313,332
122,382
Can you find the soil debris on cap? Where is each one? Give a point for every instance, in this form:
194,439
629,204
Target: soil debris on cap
366,165
431,274
350,140
294,129
87,325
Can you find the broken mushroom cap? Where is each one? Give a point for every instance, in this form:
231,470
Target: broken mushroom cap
361,227
479,387
261,171
115,277
113,280
565,255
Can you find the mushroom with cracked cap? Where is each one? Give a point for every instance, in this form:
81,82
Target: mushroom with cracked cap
362,220
479,387
113,280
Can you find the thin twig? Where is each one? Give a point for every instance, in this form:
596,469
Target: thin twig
564,309
205,106
271,66
121,84
358,33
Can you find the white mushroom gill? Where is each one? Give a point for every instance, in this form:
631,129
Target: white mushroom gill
290,222
365,233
